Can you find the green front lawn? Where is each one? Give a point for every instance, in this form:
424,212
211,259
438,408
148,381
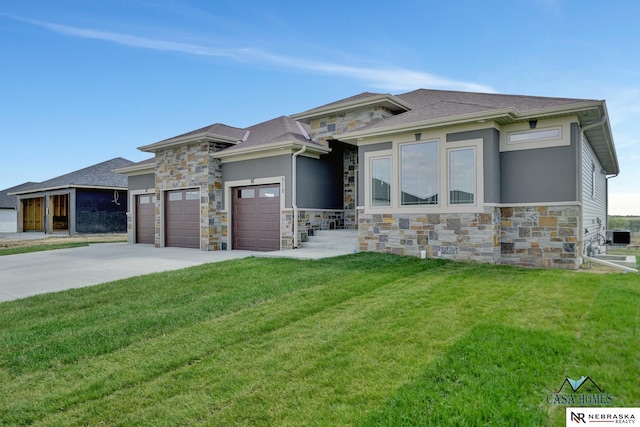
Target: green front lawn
365,339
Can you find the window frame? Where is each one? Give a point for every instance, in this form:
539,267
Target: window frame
444,205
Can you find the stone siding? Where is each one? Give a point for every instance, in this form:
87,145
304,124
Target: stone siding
192,166
541,236
350,164
453,236
325,128
310,220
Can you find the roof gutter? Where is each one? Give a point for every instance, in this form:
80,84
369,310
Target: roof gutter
294,189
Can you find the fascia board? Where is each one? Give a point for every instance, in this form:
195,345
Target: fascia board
269,147
512,113
136,169
64,187
424,124
199,137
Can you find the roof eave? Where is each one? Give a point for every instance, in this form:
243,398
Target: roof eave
136,169
390,100
422,124
68,186
319,149
189,139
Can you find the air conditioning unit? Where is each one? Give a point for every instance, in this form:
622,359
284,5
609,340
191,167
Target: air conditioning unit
618,237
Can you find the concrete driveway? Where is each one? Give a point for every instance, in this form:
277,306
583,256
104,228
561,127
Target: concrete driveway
34,273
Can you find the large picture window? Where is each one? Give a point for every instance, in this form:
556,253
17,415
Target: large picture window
381,181
425,176
419,173
462,176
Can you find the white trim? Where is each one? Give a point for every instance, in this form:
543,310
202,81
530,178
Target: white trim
562,125
368,158
525,205
443,205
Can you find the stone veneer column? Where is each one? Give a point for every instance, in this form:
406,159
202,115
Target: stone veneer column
192,166
350,164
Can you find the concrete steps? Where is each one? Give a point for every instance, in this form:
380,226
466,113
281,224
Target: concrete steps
341,240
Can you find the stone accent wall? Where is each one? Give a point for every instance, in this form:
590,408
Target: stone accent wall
470,237
539,236
350,164
191,166
542,236
310,221
326,127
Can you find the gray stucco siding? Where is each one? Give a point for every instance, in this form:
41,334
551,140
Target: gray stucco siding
491,158
542,175
362,150
142,182
319,184
265,167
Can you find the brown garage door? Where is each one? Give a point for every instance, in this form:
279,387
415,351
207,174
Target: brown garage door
256,218
145,218
182,214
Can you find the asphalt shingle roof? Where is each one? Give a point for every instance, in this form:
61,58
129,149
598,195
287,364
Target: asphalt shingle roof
11,202
100,175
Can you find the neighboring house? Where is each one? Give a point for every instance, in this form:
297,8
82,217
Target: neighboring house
9,208
469,176
90,200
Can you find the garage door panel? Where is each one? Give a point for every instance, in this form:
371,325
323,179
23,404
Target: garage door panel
182,218
145,218
256,218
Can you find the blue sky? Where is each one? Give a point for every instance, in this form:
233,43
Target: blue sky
85,81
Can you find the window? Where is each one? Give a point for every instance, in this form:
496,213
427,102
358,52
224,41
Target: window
246,193
462,176
593,181
534,135
429,176
419,173
270,192
381,181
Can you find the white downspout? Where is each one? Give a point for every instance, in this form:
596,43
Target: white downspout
294,202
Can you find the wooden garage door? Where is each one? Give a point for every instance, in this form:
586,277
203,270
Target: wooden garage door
33,214
256,218
146,218
182,216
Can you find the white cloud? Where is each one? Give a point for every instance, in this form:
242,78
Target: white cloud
382,77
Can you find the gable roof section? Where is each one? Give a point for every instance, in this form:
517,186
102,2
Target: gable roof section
436,108
11,202
281,132
216,132
100,175
365,99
